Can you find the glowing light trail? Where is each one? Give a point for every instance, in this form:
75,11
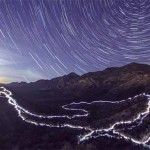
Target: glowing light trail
110,132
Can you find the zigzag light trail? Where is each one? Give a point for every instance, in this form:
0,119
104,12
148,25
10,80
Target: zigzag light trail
100,132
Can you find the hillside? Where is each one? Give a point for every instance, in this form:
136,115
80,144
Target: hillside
96,106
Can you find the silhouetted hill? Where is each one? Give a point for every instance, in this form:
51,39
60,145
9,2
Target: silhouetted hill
112,83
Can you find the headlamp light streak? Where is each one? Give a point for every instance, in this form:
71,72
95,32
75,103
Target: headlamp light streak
110,132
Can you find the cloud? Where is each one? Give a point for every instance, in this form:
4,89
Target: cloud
10,58
17,67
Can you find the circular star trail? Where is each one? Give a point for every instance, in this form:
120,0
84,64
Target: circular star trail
49,38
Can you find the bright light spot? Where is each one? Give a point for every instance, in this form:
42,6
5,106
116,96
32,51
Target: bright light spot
4,80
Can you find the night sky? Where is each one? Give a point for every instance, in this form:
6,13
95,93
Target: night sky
50,38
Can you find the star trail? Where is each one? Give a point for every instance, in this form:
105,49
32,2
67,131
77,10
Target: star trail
50,38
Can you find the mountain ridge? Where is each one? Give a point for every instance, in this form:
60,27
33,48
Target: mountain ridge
111,83
132,65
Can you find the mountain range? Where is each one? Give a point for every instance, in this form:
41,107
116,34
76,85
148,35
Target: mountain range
111,83
48,97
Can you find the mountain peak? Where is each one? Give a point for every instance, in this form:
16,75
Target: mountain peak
137,67
72,74
134,64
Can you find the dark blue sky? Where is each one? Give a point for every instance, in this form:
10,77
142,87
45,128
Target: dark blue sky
49,38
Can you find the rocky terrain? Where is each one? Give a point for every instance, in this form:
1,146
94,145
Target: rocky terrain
46,97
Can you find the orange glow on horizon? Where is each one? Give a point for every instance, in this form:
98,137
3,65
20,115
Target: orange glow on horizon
4,80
